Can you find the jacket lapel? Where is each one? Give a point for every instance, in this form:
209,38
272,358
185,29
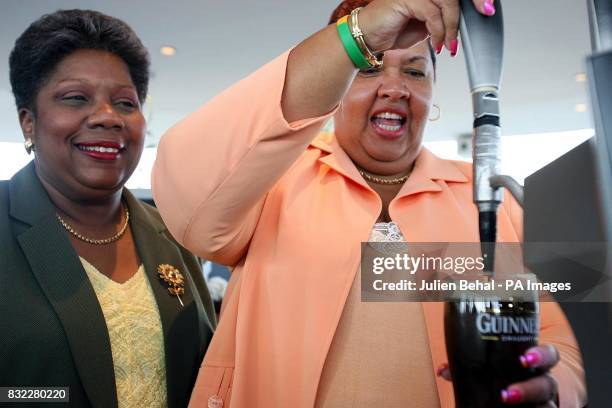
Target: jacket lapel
62,278
337,159
154,249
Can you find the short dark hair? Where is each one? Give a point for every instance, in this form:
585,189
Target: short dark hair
54,36
347,6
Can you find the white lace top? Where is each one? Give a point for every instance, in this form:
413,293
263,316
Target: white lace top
386,232
136,337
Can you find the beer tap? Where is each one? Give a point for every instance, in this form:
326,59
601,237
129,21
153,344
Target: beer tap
482,39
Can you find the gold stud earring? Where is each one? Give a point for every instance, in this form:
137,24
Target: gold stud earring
29,145
438,114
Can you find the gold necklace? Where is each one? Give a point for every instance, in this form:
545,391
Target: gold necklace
97,241
383,180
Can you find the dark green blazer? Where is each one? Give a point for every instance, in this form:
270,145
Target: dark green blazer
52,330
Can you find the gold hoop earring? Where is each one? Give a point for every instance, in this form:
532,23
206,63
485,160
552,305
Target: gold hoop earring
29,145
438,114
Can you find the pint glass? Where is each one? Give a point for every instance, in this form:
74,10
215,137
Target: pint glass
485,336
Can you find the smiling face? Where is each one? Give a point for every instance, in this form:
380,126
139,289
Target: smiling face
381,120
88,126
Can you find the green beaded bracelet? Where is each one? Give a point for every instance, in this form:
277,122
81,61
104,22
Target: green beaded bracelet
350,45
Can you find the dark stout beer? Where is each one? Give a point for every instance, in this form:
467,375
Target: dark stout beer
485,336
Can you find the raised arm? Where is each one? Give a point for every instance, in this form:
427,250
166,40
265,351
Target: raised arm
214,168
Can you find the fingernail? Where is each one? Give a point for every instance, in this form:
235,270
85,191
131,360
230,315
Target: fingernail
439,48
513,396
489,8
441,369
530,359
454,44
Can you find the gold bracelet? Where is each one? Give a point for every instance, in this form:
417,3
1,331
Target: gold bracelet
374,60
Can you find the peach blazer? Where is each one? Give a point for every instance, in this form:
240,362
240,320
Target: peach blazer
238,185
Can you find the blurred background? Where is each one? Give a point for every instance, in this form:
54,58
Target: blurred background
198,48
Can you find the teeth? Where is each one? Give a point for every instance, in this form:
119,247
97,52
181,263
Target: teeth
392,128
100,149
389,115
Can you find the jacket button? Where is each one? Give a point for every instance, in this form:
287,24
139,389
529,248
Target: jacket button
215,402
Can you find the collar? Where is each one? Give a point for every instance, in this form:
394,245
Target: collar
140,215
428,167
30,202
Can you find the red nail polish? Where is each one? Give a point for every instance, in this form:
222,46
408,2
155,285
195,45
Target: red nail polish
530,359
489,8
439,48
454,44
513,396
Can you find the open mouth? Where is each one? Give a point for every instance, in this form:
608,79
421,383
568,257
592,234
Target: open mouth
102,150
389,124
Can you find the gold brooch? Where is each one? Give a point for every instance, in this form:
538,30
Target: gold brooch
174,279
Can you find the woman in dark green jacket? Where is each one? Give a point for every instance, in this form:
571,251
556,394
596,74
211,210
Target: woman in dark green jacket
95,294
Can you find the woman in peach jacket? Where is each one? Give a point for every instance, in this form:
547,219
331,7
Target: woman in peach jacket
249,181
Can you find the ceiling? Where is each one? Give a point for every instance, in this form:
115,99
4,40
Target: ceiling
220,42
